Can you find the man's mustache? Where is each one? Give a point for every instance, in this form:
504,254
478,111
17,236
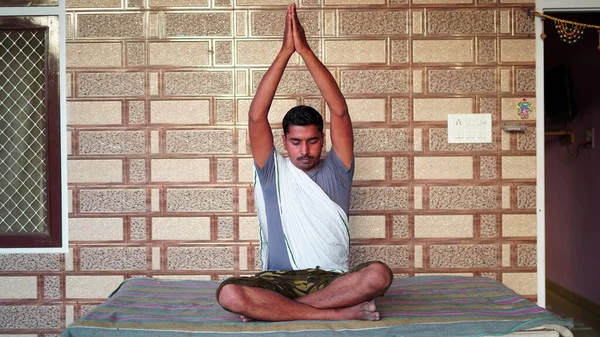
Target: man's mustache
304,157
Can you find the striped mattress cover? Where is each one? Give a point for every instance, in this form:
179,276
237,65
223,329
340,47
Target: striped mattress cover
421,306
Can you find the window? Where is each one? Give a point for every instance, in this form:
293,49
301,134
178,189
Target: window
31,206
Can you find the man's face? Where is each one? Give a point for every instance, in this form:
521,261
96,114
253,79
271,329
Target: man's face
304,144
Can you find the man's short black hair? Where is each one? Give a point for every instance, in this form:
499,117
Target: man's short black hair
302,115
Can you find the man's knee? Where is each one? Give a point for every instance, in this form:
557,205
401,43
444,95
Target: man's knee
230,296
380,275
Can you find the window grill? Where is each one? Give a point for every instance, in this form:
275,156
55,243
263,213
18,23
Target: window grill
23,132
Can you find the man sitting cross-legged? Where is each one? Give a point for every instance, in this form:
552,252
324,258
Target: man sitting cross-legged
302,204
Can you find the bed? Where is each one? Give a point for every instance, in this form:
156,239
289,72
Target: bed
420,306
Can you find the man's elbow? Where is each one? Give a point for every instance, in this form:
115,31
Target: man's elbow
341,112
257,118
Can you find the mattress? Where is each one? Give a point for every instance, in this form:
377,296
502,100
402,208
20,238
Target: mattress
421,306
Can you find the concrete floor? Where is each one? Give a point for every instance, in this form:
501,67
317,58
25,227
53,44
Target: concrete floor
586,325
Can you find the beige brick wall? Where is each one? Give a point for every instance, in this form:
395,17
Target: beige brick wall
160,172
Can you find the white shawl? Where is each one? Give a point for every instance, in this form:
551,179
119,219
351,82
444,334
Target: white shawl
315,228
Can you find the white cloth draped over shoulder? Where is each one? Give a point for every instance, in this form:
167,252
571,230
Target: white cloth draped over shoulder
315,228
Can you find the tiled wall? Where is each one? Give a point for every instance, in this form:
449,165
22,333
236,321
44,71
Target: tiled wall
159,164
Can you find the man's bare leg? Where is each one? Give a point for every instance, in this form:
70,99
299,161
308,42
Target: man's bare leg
266,305
345,298
352,288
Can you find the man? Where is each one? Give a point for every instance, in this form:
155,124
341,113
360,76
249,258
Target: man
302,205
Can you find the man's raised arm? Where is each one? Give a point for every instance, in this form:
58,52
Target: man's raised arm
261,136
342,139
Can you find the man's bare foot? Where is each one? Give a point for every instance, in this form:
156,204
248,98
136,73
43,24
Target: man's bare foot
246,319
366,311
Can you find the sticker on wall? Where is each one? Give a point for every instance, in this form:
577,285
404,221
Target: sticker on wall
524,108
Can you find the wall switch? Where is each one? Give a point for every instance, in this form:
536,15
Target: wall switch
589,137
469,128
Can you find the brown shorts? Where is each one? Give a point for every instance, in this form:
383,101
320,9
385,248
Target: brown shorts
292,283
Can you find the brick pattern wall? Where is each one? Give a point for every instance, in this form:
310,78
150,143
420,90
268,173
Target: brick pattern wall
159,168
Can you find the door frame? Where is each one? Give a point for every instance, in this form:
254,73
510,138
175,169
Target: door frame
546,6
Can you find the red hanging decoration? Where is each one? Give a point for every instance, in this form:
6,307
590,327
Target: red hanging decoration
569,33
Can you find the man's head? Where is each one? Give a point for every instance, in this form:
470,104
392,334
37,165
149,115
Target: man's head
303,136
302,115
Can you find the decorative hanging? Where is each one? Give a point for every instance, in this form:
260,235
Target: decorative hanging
524,108
543,36
568,31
